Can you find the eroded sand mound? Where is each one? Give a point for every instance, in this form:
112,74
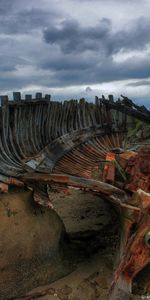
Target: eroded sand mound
31,245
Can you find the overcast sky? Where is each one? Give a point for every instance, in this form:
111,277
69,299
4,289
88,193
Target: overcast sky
76,48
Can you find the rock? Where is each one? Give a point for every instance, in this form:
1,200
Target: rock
31,245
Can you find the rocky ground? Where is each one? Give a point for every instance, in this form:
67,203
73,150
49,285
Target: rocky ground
87,219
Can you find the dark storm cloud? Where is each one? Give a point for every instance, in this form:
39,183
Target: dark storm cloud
47,43
68,62
72,37
9,62
22,22
6,6
87,53
107,72
133,38
14,19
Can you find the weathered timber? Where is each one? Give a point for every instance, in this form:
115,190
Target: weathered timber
78,182
37,133
46,143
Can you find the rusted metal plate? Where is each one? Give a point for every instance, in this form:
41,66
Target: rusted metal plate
109,169
135,246
138,170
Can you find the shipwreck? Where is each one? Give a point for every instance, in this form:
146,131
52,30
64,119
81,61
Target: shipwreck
48,146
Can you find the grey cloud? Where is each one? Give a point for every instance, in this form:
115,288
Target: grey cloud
139,83
25,21
66,53
68,62
6,6
92,72
17,16
13,81
70,36
135,37
105,72
76,65
88,89
9,62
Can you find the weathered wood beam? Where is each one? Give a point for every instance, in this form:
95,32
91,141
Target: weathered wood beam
77,182
143,116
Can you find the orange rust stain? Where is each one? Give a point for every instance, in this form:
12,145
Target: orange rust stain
137,168
109,168
14,181
127,155
3,187
59,178
145,197
136,263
